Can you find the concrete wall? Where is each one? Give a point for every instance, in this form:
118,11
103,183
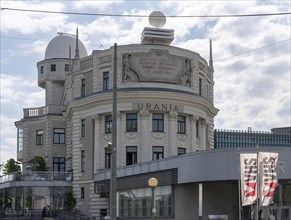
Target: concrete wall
186,201
217,199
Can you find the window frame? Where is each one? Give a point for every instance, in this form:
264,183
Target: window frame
82,193
66,68
200,86
131,123
83,87
181,149
107,164
157,152
53,67
83,161
105,81
157,123
181,124
59,161
83,128
39,137
131,155
59,135
108,124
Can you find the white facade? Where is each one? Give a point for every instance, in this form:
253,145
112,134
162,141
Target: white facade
164,103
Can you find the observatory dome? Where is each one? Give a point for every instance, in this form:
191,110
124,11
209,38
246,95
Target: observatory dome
59,46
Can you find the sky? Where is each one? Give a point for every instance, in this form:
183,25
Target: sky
251,54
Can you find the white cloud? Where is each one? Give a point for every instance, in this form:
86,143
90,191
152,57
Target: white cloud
31,22
97,4
24,94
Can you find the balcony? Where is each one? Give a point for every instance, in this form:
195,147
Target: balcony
36,176
41,111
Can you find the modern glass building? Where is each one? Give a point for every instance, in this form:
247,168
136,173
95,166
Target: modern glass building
277,137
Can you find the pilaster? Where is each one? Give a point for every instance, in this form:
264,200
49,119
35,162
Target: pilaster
97,143
193,131
172,134
144,154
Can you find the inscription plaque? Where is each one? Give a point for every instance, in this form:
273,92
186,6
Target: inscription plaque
157,66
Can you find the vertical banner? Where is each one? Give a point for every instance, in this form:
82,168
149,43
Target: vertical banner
268,177
249,176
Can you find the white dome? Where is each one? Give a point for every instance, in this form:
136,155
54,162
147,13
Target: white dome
59,46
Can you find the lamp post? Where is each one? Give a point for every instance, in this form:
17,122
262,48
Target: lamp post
153,183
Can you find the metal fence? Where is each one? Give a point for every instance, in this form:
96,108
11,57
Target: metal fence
38,214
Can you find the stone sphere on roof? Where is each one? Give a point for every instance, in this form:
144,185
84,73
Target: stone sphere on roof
59,46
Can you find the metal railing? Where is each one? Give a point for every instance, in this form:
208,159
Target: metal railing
9,213
36,176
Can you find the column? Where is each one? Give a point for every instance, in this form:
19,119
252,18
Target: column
97,145
203,135
144,151
193,131
172,134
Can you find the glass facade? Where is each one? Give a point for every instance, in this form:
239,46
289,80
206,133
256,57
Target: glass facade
138,202
233,138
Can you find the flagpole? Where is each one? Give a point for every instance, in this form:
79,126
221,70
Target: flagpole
258,182
239,187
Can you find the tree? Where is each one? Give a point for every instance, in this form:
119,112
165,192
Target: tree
70,201
11,166
38,164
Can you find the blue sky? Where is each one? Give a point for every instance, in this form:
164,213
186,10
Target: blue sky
251,90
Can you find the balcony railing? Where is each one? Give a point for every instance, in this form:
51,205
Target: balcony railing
86,63
36,176
40,111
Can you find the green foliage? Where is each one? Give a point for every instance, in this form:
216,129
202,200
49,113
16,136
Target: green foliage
70,200
11,166
38,164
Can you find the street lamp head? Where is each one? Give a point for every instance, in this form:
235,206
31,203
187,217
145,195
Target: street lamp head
152,182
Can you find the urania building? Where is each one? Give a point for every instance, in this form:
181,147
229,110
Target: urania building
164,129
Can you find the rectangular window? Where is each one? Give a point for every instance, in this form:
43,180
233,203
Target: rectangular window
82,160
39,137
20,138
53,67
131,122
158,152
59,164
200,86
42,69
83,128
158,122
108,124
181,150
66,67
107,158
105,81
82,193
131,155
181,124
83,87
59,135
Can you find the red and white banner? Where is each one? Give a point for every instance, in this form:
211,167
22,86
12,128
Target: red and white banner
248,170
268,176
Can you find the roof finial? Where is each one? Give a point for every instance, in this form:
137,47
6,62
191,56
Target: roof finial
77,45
210,55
